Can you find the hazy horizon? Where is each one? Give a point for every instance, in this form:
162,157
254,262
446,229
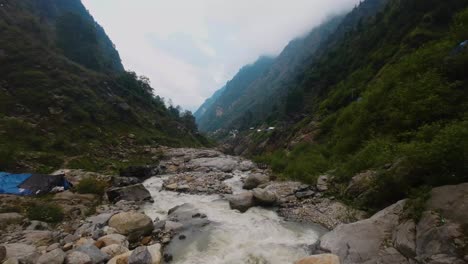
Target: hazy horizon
190,49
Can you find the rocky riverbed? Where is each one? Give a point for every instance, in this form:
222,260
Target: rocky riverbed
201,206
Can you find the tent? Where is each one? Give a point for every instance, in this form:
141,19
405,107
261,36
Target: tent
31,184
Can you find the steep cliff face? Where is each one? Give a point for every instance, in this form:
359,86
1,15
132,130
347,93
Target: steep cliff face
63,89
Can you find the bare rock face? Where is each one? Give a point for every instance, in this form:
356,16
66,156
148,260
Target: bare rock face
441,232
404,238
320,259
242,201
2,253
362,241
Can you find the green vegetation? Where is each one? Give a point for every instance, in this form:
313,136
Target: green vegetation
64,93
416,204
45,212
91,186
389,95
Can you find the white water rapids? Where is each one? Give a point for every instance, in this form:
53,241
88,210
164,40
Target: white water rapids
258,236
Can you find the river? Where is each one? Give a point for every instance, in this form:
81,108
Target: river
258,236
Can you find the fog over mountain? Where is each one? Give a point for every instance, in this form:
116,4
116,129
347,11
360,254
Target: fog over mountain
189,49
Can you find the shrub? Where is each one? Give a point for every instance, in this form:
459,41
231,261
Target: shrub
49,213
91,185
416,203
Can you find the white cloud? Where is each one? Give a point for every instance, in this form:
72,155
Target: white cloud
190,48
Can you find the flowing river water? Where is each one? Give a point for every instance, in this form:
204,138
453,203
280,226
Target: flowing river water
258,236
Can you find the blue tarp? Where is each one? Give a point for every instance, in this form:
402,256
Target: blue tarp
9,183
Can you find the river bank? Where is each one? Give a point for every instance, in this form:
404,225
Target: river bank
201,206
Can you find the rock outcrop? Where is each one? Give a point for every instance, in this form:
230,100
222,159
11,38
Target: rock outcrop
137,193
131,224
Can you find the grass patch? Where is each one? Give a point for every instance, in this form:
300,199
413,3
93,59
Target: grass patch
45,212
91,186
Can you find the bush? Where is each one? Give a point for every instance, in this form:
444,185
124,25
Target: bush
416,204
49,213
92,186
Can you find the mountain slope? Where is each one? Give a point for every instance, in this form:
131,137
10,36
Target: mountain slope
64,92
388,95
227,104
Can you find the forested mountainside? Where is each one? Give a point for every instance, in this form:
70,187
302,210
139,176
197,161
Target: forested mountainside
244,101
208,103
386,91
64,92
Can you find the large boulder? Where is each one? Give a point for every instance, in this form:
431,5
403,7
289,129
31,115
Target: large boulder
10,218
24,253
141,172
254,180
404,238
125,181
242,201
132,224
224,164
38,237
363,240
155,252
2,253
140,255
56,256
320,259
264,197
136,193
77,257
96,255
441,232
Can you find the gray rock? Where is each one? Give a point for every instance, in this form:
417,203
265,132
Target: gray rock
155,252
254,180
246,165
124,181
56,256
38,225
362,241
38,238
2,253
53,247
224,164
388,256
132,224
100,220
172,226
11,261
10,218
77,257
140,255
22,252
241,202
264,197
304,194
114,250
141,172
136,192
114,239
70,238
360,183
404,238
96,255
322,182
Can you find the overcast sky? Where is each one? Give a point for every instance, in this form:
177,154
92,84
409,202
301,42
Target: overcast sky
190,48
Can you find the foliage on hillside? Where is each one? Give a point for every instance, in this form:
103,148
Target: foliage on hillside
389,95
64,94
